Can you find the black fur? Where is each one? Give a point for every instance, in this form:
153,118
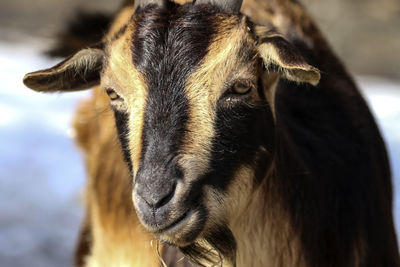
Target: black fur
84,244
332,168
167,47
121,123
241,129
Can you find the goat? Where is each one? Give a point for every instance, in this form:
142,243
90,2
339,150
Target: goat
236,149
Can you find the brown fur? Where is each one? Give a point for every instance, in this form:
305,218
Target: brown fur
128,77
108,192
262,215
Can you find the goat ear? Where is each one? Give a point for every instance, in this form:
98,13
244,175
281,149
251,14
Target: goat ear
78,72
281,56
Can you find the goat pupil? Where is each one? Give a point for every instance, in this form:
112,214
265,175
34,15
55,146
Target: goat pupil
112,94
241,88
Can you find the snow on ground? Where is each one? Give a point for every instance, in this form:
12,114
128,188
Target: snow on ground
42,174
41,171
383,97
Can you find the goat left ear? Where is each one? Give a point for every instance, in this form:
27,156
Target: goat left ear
78,72
278,54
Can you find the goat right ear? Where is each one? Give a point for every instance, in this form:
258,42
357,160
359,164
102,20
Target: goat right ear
278,54
78,72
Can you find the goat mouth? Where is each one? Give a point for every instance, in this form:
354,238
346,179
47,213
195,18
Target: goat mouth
184,230
175,223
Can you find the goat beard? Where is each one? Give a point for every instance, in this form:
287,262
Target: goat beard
214,248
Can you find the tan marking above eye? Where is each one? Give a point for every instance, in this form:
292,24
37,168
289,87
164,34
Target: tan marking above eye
241,87
112,94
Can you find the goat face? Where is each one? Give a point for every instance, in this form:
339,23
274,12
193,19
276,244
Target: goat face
192,91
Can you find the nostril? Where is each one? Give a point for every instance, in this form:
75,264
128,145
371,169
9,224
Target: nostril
167,198
155,197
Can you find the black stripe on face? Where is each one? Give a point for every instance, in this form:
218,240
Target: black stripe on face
167,46
244,136
121,123
119,33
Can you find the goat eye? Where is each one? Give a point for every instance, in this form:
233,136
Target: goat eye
242,87
112,94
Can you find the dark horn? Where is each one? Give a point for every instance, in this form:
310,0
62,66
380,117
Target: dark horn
143,3
231,6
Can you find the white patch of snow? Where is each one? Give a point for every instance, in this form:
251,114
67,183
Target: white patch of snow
383,96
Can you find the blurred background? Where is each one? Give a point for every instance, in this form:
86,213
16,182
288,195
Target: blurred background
41,170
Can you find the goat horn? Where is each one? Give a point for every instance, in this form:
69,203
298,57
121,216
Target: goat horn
143,3
232,6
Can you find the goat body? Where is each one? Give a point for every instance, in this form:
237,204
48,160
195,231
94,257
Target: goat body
317,191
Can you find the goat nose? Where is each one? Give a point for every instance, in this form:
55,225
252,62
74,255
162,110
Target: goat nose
156,196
